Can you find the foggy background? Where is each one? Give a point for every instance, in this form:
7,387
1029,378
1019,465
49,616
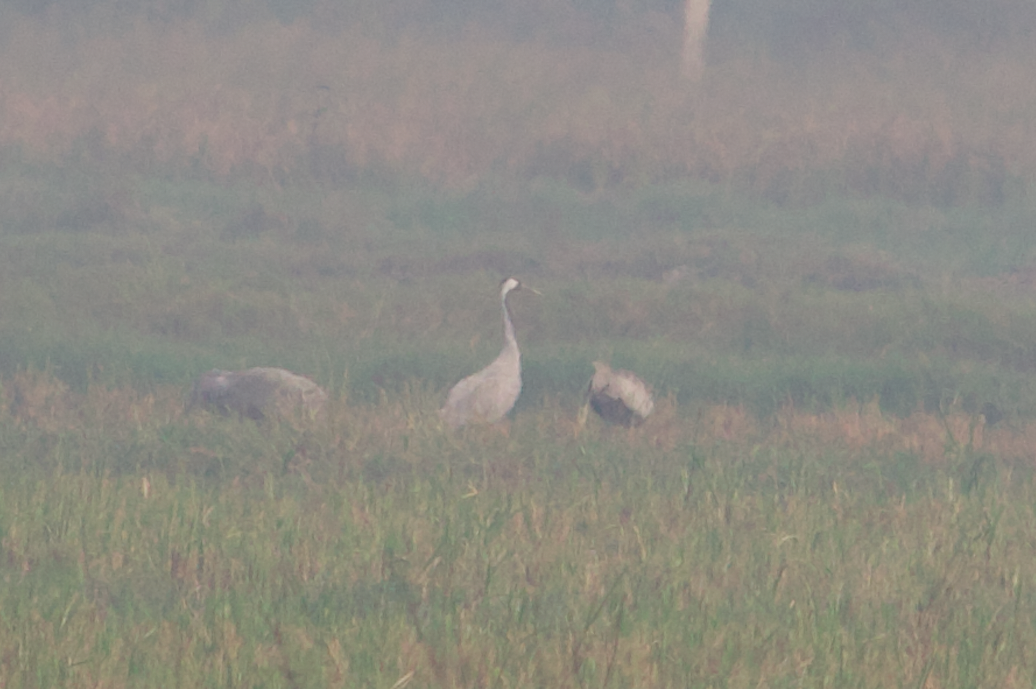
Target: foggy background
925,100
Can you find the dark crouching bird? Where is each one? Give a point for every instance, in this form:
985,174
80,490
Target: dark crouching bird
619,397
488,395
258,393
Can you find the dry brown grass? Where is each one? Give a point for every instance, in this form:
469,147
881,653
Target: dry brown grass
267,95
405,425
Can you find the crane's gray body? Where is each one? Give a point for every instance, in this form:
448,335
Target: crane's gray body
619,397
487,396
257,393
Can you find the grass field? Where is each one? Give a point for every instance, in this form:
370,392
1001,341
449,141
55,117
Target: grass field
836,488
145,548
825,269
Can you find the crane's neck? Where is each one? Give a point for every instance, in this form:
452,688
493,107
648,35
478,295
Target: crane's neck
510,341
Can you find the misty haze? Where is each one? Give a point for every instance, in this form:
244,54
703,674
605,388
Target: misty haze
248,248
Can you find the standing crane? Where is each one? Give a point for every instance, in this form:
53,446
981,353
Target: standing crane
488,395
618,397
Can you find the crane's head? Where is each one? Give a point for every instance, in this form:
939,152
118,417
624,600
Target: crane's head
513,285
509,285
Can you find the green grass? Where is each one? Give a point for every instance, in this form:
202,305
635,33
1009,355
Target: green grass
824,269
822,497
378,285
358,552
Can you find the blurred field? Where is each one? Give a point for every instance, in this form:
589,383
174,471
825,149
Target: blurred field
825,269
342,88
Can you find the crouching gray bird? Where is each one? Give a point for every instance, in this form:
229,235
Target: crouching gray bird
619,397
257,393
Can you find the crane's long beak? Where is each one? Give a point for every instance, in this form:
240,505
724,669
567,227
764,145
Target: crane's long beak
533,290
